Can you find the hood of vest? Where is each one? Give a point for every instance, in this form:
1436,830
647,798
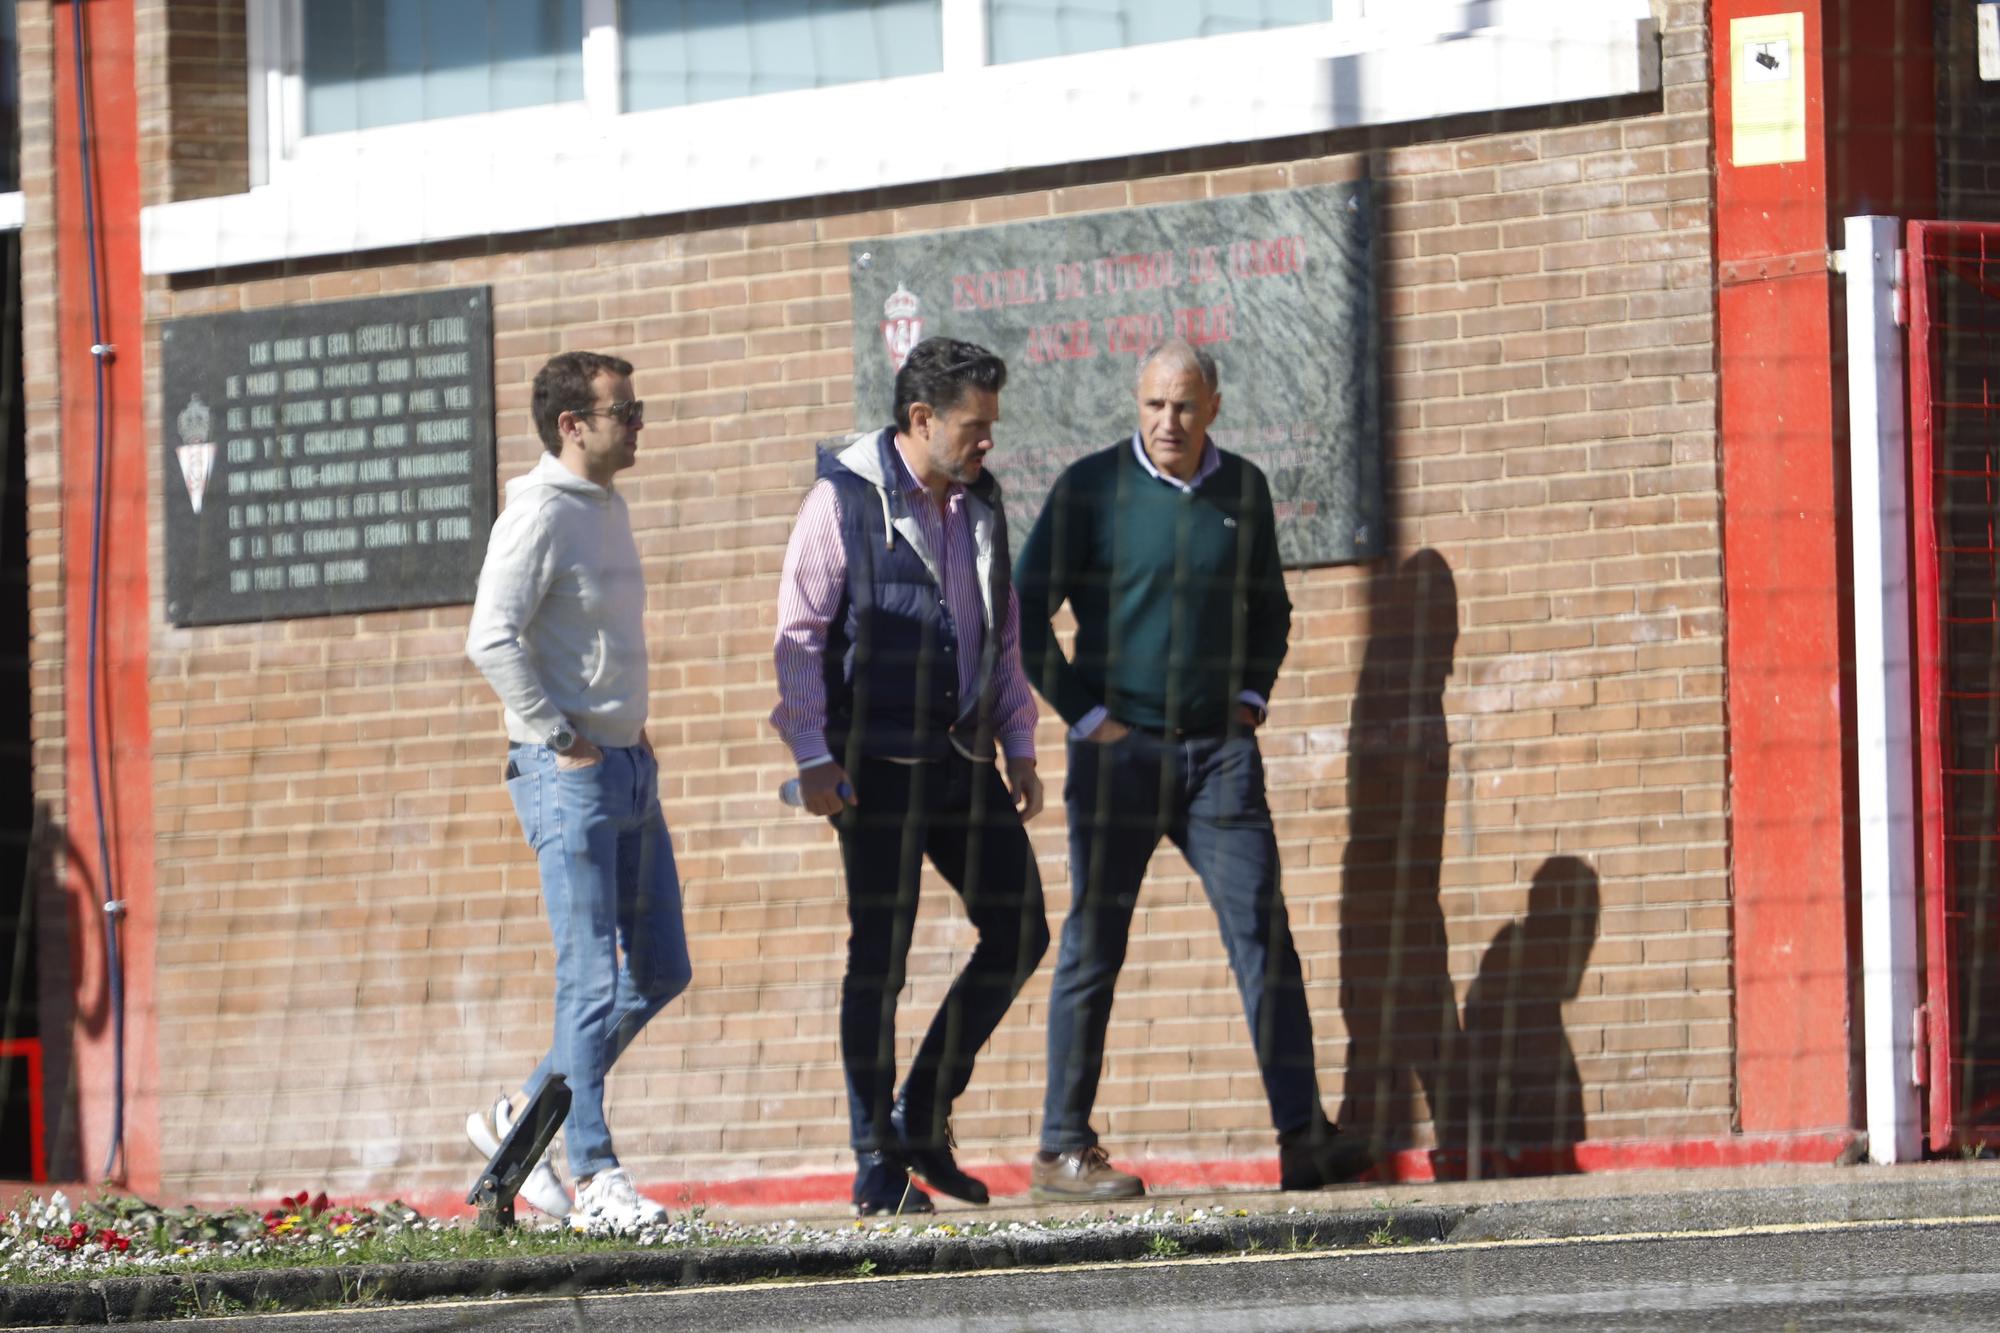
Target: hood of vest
871,455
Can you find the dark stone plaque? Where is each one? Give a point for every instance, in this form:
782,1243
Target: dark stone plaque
327,458
1278,287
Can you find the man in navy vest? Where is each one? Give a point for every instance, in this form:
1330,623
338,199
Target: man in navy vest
899,669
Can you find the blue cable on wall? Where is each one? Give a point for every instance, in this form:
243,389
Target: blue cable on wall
100,351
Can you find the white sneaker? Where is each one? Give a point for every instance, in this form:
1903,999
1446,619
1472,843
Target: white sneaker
611,1202
543,1191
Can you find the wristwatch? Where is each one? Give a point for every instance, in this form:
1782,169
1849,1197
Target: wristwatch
561,739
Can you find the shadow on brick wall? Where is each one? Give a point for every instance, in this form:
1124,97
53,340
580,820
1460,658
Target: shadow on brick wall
1498,1085
1395,980
1521,1107
63,886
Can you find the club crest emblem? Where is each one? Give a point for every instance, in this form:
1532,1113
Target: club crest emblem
196,452
902,326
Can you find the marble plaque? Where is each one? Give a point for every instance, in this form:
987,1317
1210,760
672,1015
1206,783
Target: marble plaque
327,458
1278,287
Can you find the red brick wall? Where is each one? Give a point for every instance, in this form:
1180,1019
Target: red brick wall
352,949
193,98
48,708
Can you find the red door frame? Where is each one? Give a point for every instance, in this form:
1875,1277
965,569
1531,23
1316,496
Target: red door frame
1939,974
1928,242
28,1050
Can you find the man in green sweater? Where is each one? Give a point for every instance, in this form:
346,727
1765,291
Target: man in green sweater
1165,548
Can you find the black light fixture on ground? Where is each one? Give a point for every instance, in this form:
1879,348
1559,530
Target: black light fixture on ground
532,1132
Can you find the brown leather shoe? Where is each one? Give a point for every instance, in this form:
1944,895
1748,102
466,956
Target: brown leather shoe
1080,1175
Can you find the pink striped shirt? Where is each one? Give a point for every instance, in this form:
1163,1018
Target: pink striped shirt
809,594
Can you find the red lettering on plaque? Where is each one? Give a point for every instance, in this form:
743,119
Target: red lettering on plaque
1134,335
1060,342
1200,325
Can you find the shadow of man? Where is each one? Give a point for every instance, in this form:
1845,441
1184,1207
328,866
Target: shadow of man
1395,981
1524,1097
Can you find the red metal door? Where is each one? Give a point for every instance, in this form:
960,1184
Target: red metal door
1954,314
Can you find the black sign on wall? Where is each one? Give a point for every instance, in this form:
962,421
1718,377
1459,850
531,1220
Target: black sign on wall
1278,287
327,458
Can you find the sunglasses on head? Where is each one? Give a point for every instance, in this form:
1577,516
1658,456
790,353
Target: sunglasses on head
622,412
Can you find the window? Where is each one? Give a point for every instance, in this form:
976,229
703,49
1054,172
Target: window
367,63
679,52
384,123
1035,29
10,101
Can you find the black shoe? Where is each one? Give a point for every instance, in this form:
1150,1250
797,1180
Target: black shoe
936,1165
882,1185
1320,1155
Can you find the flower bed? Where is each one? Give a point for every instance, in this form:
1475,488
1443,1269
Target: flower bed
51,1239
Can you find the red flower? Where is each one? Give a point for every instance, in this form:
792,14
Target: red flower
302,1202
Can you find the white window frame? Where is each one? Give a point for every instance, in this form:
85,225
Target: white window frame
281,150
1370,62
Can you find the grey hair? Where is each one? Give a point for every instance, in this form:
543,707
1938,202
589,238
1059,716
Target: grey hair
1182,355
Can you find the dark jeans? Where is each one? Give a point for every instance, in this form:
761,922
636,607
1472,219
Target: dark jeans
1208,796
959,814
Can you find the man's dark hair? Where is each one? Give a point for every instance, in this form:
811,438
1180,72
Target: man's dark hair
940,370
566,384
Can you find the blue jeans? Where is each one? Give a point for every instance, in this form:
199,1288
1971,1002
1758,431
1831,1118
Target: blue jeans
608,882
1207,795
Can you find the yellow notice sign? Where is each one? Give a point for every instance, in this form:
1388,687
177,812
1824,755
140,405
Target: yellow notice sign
1767,103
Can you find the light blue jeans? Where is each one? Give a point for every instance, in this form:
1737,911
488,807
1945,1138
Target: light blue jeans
609,883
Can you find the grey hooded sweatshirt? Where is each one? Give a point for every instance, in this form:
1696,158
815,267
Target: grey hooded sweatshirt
558,626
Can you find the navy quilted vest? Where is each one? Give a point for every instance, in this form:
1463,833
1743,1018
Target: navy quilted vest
891,662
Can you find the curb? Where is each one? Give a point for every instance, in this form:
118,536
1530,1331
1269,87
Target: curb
171,1296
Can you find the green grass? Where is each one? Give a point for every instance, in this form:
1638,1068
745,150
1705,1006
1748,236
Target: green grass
1385,1236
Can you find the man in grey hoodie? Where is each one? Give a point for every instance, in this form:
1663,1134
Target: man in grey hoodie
557,630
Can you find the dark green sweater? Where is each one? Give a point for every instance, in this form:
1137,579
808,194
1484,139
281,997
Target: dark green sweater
1179,599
